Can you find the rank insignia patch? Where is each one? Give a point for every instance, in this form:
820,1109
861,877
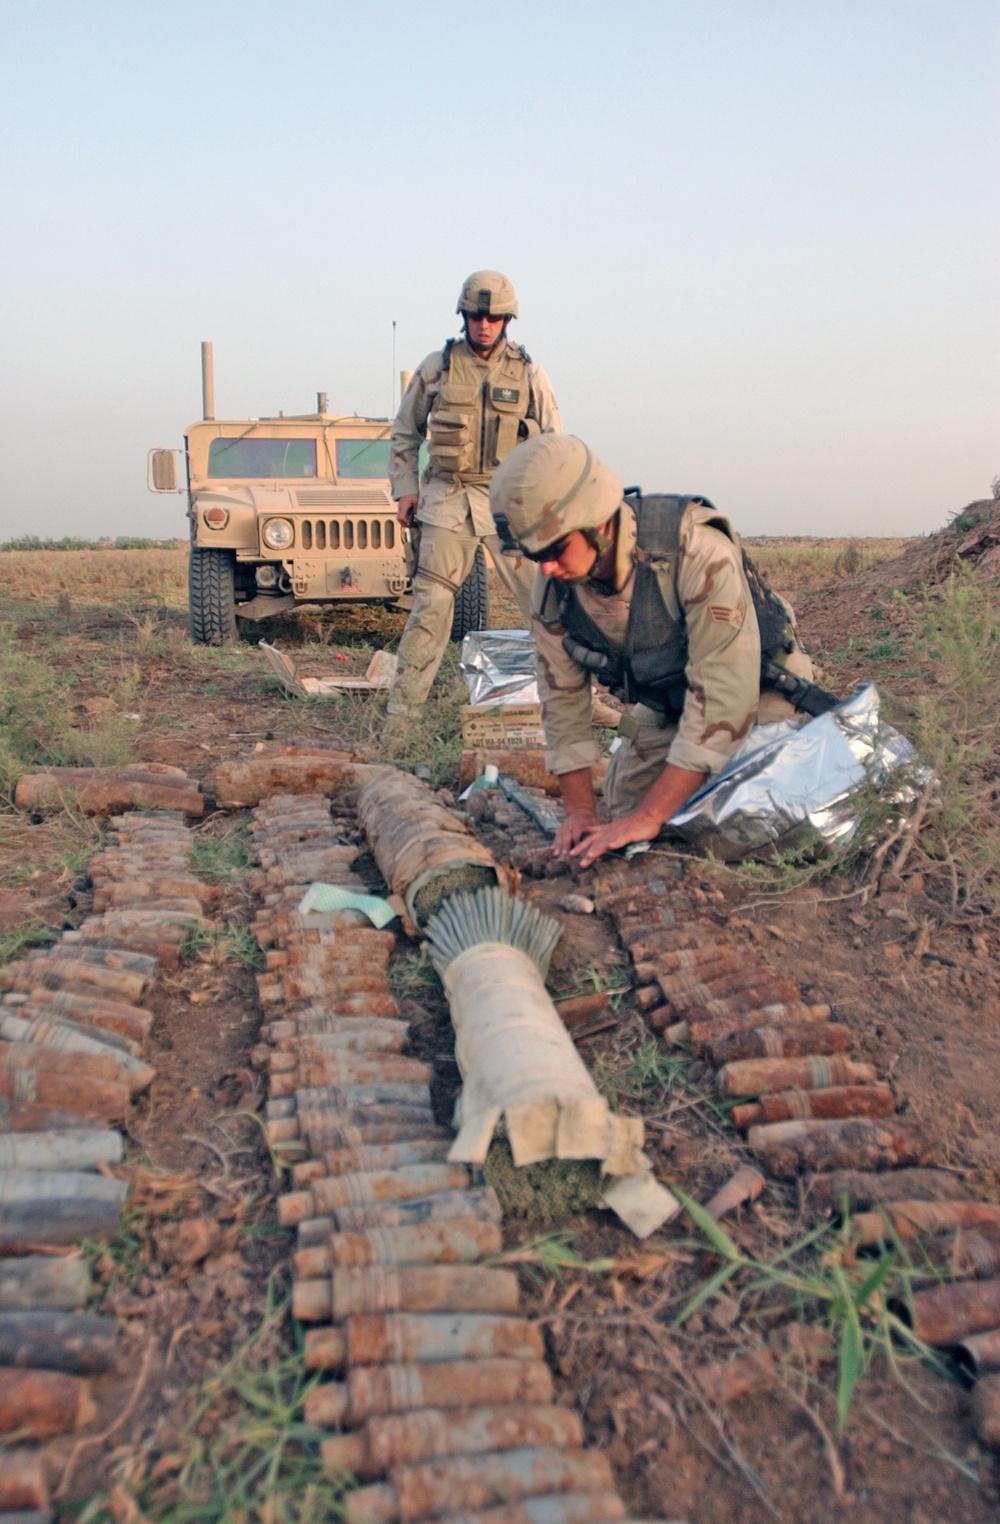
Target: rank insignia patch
505,394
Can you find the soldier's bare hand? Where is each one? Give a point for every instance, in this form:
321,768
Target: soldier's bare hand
636,826
406,507
577,825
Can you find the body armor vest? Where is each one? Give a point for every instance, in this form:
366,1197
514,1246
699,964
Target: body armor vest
476,419
650,667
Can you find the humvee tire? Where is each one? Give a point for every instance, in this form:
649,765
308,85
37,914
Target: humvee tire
472,602
212,596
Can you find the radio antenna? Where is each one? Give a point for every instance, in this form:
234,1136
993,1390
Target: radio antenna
392,409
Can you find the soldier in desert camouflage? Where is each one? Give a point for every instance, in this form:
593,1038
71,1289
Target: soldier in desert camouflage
687,652
472,401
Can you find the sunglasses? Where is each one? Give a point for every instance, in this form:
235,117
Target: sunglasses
549,552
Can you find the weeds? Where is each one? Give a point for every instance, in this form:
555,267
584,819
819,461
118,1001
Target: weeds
818,1276
413,977
244,1451
550,1255
223,944
222,858
14,940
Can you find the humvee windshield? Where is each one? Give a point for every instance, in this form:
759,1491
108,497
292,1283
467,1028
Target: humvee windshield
259,458
363,457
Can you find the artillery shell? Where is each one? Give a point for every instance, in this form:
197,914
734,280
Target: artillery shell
582,1008
420,1288
979,1354
828,1192
756,1076
854,1100
37,1207
107,957
323,1034
554,1508
345,1069
128,1020
377,1185
425,1243
444,1206
753,998
55,973
77,1342
36,1404
345,1161
62,1034
339,1097
102,791
88,1097
326,1140
426,1433
44,1281
399,1337
782,1042
374,1389
442,1487
701,1033
243,783
790,1147
24,1117
76,1148
948,1313
908,1219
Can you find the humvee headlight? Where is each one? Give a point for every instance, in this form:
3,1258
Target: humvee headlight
277,534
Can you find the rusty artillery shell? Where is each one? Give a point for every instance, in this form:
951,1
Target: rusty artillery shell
38,1207
392,1338
701,1033
102,1068
582,1008
22,1481
979,1354
444,1206
404,1184
854,1100
53,973
442,1487
426,1433
791,1147
330,1141
104,790
381,1124
860,1189
327,1034
24,1117
745,1185
320,1098
36,1404
423,1288
425,1243
97,1099
76,1148
44,1282
346,1069
947,1313
757,1076
371,1390
345,1161
713,980
128,1020
106,957
908,1219
816,1037
243,783
648,952
79,1343
63,1034
48,1027
753,998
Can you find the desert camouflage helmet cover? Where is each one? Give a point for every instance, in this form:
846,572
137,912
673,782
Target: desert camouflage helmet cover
489,292
549,486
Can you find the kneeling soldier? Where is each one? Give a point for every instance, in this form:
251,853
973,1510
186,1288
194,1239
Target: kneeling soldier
654,598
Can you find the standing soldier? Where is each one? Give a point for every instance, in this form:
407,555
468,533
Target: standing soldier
472,401
652,596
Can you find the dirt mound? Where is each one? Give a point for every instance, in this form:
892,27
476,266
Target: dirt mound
973,536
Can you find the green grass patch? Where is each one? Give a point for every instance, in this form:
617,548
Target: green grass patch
223,944
224,857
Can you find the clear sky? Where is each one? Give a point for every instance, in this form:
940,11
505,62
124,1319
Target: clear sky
755,241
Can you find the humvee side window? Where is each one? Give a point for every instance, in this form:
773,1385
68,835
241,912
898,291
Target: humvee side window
256,457
362,457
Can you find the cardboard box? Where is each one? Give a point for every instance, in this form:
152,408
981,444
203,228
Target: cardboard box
517,725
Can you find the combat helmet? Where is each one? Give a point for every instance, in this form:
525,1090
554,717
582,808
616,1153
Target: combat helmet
548,486
488,292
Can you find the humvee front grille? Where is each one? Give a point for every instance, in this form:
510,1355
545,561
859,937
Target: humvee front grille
341,497
347,534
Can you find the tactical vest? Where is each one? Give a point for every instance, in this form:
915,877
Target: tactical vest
650,667
474,420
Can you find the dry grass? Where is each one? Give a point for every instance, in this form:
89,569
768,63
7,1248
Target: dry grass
795,565
96,576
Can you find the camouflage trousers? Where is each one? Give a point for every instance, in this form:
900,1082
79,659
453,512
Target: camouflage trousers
641,758
445,559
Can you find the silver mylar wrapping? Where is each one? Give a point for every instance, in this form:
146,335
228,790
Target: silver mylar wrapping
794,785
499,667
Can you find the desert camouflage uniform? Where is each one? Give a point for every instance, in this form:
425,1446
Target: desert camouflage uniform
723,699
454,520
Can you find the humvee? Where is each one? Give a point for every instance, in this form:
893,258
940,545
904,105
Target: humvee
292,510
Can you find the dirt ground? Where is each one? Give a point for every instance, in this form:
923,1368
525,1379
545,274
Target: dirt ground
202,1262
